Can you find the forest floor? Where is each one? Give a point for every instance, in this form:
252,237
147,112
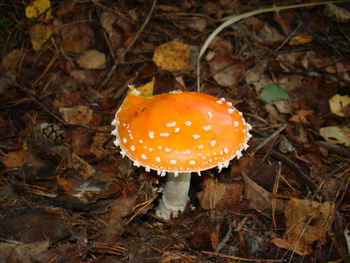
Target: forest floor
68,195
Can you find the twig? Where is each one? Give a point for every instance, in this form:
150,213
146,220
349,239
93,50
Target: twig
233,19
122,55
239,258
269,138
298,172
27,92
226,237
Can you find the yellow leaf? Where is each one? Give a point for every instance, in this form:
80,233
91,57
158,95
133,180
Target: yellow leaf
39,34
304,38
173,56
147,89
40,9
336,135
300,116
337,104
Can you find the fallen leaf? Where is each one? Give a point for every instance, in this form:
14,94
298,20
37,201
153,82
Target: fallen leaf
300,116
14,159
256,76
92,59
256,197
78,115
273,92
22,252
338,103
119,31
331,66
307,221
99,140
284,106
40,10
226,71
336,135
173,56
147,89
64,8
336,13
11,60
347,237
211,194
302,39
33,226
39,34
82,167
77,38
117,210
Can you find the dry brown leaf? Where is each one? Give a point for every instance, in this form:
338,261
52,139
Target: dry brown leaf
307,221
65,7
99,140
22,252
331,66
14,159
92,59
82,167
173,56
257,197
211,194
10,61
226,71
117,210
119,31
77,38
39,34
78,115
336,135
300,116
337,104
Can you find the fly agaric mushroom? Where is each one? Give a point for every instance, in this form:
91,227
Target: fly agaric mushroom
179,132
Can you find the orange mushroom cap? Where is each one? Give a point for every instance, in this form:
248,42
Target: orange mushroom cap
180,131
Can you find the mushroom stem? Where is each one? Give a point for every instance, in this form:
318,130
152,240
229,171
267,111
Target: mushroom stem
175,195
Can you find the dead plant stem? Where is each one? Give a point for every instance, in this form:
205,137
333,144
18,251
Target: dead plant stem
233,19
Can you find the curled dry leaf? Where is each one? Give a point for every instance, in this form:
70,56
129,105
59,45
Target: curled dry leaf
307,221
92,59
39,34
174,56
336,135
78,115
336,13
338,103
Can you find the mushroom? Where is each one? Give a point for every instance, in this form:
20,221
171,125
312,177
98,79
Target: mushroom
179,133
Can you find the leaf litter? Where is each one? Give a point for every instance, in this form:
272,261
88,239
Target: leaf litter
66,193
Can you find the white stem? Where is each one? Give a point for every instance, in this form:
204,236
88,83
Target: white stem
175,195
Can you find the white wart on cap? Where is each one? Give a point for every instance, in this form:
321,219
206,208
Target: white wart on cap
180,131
